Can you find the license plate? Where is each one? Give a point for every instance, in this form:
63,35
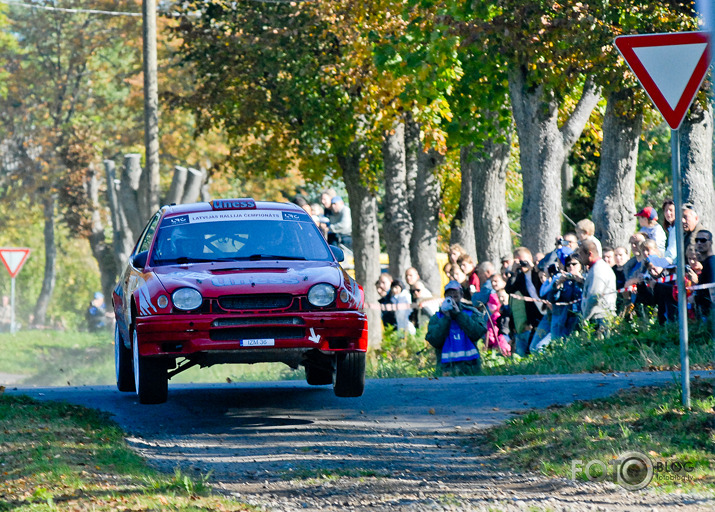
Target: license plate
267,342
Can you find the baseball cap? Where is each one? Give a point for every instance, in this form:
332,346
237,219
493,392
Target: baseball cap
98,295
689,206
453,285
336,199
648,212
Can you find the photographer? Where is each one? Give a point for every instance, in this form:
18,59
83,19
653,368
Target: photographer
567,287
454,330
644,277
524,281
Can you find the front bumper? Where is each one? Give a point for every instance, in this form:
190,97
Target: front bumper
183,335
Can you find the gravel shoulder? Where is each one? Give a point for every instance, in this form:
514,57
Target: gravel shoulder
406,445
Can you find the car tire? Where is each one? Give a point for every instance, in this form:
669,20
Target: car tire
317,376
349,374
150,378
124,371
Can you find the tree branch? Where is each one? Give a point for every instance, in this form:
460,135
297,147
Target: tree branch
573,127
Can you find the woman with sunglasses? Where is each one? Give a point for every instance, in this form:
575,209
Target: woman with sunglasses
566,297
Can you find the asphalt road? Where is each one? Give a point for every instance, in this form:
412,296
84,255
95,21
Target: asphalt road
249,429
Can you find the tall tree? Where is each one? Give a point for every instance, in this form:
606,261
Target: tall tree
696,161
614,207
398,218
50,99
456,88
491,224
295,82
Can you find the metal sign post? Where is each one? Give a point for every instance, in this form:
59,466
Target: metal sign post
13,325
680,248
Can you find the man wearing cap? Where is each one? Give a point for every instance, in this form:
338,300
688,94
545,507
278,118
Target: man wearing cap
453,331
648,219
341,224
691,225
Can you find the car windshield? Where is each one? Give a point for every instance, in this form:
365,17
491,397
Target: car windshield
195,238
186,240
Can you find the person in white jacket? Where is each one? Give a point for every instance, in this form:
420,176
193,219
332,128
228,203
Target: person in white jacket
598,301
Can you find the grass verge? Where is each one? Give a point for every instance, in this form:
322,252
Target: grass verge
561,441
56,456
638,345
70,358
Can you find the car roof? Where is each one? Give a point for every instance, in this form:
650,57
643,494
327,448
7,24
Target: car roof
179,209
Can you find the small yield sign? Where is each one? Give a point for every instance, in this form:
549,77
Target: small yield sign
13,258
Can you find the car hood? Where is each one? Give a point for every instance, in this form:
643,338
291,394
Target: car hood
216,279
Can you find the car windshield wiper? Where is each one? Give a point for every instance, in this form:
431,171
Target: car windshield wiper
255,257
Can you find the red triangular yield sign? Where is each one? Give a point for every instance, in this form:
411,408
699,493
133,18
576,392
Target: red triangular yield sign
14,258
670,67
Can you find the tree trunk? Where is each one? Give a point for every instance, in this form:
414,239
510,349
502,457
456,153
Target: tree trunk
412,150
130,193
123,235
491,223
48,281
462,228
543,150
425,216
178,183
366,238
102,252
696,164
149,196
614,206
398,222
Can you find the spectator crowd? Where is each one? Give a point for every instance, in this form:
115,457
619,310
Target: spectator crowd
526,301
529,300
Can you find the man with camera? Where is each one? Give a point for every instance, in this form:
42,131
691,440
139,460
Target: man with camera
525,281
453,331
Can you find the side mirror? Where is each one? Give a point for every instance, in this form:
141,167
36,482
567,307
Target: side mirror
139,259
338,253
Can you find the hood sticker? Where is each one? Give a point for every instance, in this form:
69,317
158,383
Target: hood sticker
195,218
244,281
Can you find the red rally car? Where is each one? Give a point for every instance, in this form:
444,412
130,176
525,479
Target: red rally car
236,281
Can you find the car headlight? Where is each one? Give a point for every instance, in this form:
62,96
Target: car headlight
321,294
186,299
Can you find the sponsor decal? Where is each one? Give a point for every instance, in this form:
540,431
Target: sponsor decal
175,221
265,342
296,217
233,204
196,218
243,281
146,306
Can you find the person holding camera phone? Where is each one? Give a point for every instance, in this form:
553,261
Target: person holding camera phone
453,331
